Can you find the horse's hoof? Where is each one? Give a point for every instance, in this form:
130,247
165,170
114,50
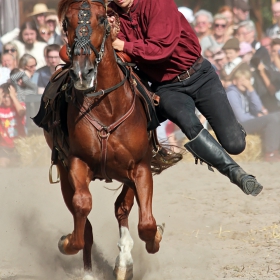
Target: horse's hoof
62,243
123,273
160,228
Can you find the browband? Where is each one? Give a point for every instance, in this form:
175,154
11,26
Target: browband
99,1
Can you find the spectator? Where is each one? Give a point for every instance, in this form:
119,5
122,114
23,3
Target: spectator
266,79
218,37
202,23
12,123
51,22
274,30
45,33
188,13
252,115
22,84
246,32
274,55
240,11
208,54
44,73
40,10
234,62
12,49
4,75
9,36
246,52
28,64
227,12
220,61
30,42
9,61
266,43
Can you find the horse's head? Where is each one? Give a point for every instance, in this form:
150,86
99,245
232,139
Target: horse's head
86,25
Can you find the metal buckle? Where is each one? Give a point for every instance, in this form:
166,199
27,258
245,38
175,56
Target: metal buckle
179,79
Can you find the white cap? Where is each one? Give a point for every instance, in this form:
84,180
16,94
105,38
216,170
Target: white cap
188,13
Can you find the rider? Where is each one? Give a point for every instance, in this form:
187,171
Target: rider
164,46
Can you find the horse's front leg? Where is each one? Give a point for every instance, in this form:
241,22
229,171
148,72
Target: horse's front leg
124,262
148,231
81,206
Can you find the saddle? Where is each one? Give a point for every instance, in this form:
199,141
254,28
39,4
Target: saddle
52,117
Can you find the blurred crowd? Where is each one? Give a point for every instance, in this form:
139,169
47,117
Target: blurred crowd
248,67
29,56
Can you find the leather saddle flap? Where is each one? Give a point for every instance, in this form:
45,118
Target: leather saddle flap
55,84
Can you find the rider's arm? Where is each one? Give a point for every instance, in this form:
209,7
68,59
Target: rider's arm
162,21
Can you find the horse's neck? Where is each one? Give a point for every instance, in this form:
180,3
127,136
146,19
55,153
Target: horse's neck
109,75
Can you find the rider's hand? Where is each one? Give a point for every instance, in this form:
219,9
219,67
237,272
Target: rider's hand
115,29
118,45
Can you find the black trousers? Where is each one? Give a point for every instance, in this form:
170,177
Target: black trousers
204,91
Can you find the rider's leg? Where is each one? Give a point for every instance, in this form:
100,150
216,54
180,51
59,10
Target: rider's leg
178,106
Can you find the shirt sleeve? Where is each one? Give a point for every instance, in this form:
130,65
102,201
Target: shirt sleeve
30,87
162,21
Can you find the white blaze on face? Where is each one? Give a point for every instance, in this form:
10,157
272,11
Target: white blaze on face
125,245
92,82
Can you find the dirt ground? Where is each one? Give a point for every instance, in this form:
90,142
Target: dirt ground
213,230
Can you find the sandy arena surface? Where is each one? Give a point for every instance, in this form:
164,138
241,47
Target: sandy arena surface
213,230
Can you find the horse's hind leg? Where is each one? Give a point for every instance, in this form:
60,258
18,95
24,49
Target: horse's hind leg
124,263
148,231
82,237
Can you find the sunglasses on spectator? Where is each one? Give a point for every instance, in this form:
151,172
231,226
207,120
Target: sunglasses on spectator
10,50
219,25
32,66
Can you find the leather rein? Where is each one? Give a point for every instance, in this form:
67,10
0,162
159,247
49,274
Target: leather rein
82,41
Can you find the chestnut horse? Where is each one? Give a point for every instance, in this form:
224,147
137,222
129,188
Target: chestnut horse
107,135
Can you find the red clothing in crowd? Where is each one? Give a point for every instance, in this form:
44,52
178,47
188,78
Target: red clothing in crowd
11,126
158,38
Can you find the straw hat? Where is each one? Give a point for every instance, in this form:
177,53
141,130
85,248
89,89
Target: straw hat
41,8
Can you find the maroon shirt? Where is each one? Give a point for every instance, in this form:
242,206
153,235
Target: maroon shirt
158,38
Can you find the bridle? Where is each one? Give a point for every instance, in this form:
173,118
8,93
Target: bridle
83,32
82,41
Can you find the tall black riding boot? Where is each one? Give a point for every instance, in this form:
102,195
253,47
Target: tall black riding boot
208,150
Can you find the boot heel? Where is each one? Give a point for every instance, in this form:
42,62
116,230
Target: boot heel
251,186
